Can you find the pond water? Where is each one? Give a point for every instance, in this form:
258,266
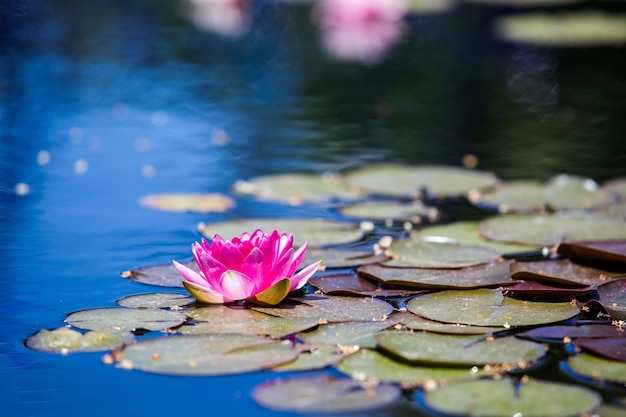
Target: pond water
103,102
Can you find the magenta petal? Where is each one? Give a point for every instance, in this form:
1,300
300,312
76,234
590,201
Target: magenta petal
298,280
191,275
236,286
231,255
253,267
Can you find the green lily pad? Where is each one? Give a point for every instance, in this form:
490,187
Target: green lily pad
486,275
226,319
298,188
164,275
188,202
574,192
616,186
415,322
607,410
521,196
560,272
571,29
616,209
466,233
317,232
548,230
599,251
156,300
353,284
431,6
369,364
524,3
410,181
341,258
414,211
425,348
324,394
347,334
212,354
506,397
125,319
425,254
597,368
332,308
65,340
485,307
312,356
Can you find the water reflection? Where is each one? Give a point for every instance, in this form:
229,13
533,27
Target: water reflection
531,78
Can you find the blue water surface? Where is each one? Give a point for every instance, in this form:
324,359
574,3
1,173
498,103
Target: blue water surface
128,98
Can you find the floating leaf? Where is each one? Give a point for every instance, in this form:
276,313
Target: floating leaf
612,298
353,284
565,29
413,211
324,394
598,251
188,202
212,354
317,232
611,348
548,230
512,197
341,258
414,322
574,192
431,6
297,188
160,275
596,368
425,254
156,300
425,348
587,331
370,364
65,340
466,233
312,356
348,334
524,3
409,181
486,275
617,210
616,186
332,308
125,319
607,410
484,307
532,290
506,397
226,319
560,272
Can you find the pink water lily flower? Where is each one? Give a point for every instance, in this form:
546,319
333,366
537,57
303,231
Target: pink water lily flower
257,267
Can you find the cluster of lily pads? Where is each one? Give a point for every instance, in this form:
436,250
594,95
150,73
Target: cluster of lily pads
496,316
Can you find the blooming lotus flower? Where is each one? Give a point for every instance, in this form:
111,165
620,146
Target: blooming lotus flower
257,267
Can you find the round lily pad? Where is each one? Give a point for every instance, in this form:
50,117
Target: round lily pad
564,29
560,272
65,340
512,197
587,331
366,363
353,284
598,251
506,397
425,348
612,297
485,307
414,211
317,232
212,354
125,319
597,368
160,275
548,230
411,181
425,254
188,202
611,347
298,188
431,6
415,322
155,300
534,291
312,356
348,334
324,394
486,275
332,308
575,192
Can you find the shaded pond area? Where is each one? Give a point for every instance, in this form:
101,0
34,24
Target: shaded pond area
103,103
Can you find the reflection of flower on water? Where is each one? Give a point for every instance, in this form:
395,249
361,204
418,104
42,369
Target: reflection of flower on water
360,30
229,18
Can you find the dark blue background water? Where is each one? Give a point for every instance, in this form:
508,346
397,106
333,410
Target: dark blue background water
140,98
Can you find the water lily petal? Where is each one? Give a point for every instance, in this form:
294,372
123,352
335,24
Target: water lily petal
210,267
203,294
190,275
298,280
253,267
298,256
231,255
272,295
236,286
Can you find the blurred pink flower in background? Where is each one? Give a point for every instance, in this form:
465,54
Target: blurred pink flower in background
230,18
360,30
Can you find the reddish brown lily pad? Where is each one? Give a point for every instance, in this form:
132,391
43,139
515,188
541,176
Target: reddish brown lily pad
612,299
611,348
586,331
561,272
532,290
353,284
487,275
164,275
598,251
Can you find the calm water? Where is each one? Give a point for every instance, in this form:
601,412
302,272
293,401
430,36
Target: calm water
103,102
